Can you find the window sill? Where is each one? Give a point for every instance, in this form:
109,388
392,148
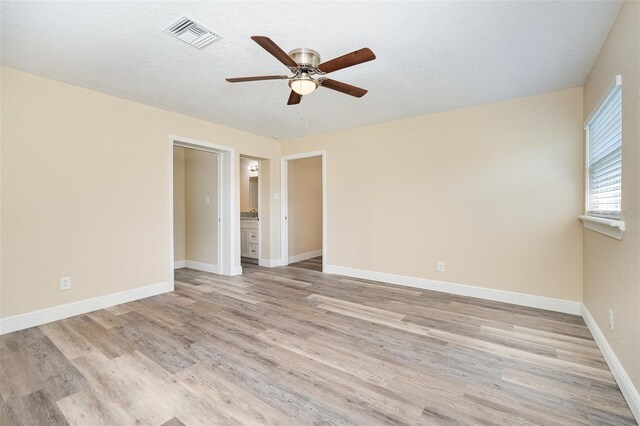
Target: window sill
612,227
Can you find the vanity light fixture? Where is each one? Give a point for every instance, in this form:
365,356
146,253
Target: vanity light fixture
253,167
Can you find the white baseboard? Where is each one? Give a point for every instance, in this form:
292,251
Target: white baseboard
199,266
629,391
305,256
270,263
179,264
43,316
550,304
237,271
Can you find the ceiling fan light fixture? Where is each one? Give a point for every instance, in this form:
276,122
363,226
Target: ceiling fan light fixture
303,84
304,63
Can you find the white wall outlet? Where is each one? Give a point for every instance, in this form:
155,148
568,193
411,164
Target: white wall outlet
65,283
276,196
610,319
207,199
440,266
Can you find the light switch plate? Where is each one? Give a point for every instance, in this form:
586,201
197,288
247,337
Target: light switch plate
65,283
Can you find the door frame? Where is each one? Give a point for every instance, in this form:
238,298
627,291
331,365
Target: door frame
284,223
228,258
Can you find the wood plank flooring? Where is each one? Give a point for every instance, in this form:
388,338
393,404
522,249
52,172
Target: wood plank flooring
313,264
291,346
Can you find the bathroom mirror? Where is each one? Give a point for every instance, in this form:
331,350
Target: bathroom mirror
253,192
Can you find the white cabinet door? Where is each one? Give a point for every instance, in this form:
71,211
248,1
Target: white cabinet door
249,238
244,242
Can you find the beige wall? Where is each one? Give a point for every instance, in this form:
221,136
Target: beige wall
85,190
304,191
179,204
1,174
494,191
245,174
612,267
201,219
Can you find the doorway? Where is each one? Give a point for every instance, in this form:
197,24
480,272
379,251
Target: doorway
255,206
196,210
304,210
213,202
250,211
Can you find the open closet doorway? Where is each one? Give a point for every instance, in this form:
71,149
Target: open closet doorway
196,209
304,212
202,208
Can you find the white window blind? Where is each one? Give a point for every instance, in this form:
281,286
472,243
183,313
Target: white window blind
604,157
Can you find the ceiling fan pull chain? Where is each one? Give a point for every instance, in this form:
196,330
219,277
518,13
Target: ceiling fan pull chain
306,113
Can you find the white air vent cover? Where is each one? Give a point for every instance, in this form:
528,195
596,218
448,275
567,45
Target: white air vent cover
189,31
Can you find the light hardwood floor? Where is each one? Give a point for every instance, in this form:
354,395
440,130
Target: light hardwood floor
291,346
313,264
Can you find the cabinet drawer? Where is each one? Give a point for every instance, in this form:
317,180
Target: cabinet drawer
253,236
253,250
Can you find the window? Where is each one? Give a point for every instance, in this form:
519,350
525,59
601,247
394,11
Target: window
604,157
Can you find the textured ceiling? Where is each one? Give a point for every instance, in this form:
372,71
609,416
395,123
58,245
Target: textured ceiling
431,56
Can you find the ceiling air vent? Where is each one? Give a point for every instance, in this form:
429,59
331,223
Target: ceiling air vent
189,31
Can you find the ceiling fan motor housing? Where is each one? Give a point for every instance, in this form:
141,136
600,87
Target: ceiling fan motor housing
305,57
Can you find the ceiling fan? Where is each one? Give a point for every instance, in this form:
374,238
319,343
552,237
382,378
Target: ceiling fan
304,64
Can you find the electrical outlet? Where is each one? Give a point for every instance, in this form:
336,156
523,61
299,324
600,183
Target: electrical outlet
610,319
440,266
65,283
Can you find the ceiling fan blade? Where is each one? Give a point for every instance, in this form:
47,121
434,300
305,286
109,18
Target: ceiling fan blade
267,44
348,60
294,98
342,87
259,78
